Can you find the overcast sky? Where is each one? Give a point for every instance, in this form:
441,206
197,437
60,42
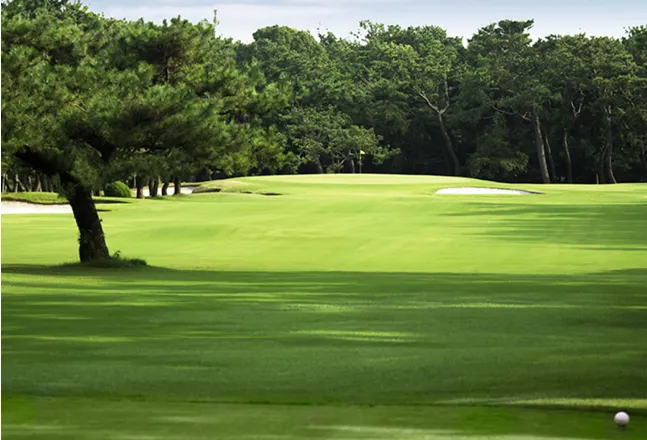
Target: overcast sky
240,18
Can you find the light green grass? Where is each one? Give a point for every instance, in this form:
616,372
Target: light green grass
94,419
41,198
452,314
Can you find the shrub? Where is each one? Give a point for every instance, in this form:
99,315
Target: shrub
117,189
116,261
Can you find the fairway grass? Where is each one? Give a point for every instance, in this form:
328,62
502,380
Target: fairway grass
347,307
94,419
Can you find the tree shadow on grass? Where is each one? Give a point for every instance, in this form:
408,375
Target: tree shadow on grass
323,337
616,226
612,288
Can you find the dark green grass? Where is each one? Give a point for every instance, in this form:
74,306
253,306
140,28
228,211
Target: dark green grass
49,198
363,338
350,312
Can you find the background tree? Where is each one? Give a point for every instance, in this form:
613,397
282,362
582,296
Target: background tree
420,65
327,140
510,73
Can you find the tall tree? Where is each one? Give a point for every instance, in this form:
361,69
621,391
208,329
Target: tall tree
417,62
72,109
503,56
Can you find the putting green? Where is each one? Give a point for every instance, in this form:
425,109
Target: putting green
482,316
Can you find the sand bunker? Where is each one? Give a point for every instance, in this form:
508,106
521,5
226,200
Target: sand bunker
32,208
476,190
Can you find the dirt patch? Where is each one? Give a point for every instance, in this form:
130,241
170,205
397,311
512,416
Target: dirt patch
259,193
217,190
207,190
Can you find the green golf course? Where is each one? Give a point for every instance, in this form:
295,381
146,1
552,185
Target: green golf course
333,307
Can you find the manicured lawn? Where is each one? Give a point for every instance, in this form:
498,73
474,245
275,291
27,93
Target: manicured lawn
347,307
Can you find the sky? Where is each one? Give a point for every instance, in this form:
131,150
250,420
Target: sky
239,19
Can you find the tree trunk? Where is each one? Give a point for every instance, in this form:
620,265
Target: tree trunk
139,181
177,186
601,175
608,157
611,178
39,185
569,162
4,183
352,166
320,169
541,152
44,183
165,188
644,161
153,186
92,241
19,186
601,178
549,156
448,145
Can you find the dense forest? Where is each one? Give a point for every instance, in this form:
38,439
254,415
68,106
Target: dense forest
88,100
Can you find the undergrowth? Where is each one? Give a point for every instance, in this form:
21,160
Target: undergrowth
116,261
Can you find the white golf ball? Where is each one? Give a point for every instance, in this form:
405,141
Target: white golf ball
621,419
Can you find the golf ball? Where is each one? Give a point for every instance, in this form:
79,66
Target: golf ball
621,419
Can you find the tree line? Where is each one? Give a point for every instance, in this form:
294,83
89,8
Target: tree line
88,100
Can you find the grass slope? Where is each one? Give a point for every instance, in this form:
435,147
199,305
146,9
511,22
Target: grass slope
344,292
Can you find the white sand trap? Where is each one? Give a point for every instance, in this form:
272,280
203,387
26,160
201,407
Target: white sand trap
32,208
476,190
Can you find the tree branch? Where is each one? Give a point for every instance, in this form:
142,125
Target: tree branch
576,113
50,166
437,109
446,95
515,113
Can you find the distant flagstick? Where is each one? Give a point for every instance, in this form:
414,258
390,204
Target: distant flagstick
361,153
